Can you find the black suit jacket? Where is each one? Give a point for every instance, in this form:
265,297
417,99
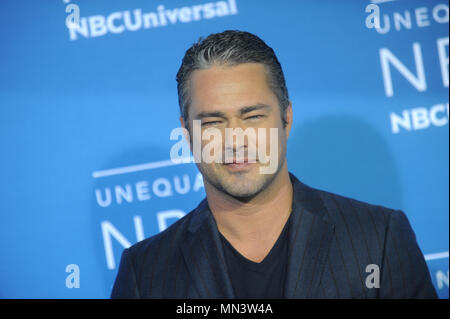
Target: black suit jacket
332,240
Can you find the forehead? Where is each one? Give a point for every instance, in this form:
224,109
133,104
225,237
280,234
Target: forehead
228,88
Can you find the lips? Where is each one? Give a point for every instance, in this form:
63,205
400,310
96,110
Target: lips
239,165
239,161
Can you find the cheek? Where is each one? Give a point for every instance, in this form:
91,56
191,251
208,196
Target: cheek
271,135
266,139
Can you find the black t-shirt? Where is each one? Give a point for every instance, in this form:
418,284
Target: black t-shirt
258,280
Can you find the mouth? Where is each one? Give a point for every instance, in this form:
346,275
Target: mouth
239,165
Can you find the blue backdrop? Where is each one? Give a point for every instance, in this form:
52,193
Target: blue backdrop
86,112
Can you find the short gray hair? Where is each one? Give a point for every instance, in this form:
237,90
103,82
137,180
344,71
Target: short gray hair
229,48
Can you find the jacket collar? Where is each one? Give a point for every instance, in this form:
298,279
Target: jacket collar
310,236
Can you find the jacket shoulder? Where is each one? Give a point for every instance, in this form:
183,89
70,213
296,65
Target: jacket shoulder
348,211
170,236
369,234
146,266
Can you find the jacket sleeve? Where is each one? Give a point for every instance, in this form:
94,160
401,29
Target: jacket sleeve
404,273
125,286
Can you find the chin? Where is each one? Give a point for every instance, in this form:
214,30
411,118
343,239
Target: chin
245,186
242,185
242,192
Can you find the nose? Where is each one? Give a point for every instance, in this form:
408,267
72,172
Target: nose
237,139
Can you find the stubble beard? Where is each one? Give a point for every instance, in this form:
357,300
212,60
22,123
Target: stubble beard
242,186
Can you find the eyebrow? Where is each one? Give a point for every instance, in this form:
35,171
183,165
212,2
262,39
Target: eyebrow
202,115
243,110
256,107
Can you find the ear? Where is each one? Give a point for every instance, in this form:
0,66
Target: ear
289,119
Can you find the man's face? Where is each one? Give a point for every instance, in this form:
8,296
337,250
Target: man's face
238,97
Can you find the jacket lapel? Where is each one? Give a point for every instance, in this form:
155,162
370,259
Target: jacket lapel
310,237
204,256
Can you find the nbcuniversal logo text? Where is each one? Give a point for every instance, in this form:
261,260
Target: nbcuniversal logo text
121,21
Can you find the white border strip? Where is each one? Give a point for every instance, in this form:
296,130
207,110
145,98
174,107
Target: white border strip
140,167
434,256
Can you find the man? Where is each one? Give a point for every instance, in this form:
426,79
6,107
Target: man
265,235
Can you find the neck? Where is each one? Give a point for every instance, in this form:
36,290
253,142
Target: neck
260,219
